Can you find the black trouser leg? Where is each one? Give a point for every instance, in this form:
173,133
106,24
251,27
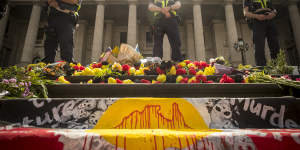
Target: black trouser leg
158,41
51,42
65,30
174,38
259,33
272,40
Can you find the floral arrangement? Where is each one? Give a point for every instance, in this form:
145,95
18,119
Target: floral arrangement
24,82
31,81
278,65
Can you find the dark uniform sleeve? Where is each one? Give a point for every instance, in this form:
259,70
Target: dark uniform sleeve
270,5
247,3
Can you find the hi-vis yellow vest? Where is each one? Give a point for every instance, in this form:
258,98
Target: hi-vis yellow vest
164,3
264,3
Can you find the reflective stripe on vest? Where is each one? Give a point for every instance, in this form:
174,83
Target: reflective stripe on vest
262,2
164,4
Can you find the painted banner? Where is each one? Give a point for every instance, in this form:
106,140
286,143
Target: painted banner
79,139
215,113
150,123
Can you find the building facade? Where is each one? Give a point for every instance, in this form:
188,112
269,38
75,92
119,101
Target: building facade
209,28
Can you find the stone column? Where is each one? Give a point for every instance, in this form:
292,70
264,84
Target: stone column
232,35
166,48
80,41
98,33
108,33
190,52
3,24
246,33
220,38
198,28
132,26
31,35
295,21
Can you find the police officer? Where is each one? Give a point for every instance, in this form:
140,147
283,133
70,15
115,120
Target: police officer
166,22
262,13
62,18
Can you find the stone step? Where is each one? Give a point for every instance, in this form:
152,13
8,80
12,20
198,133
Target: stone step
77,90
157,139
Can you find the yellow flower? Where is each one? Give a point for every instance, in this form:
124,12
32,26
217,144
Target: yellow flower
246,80
88,72
90,81
154,81
192,79
209,71
139,72
115,51
97,70
111,80
161,78
200,72
172,70
131,71
63,80
178,79
191,65
117,67
182,64
128,81
104,66
77,73
72,65
240,67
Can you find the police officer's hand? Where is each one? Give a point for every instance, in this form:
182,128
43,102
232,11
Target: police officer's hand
260,17
270,15
166,12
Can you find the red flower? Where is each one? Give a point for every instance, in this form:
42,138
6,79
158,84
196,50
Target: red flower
178,66
226,79
286,77
76,67
159,71
145,81
119,81
192,71
297,79
94,65
156,82
202,65
201,78
81,68
180,71
99,65
184,80
125,67
195,81
187,62
197,63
